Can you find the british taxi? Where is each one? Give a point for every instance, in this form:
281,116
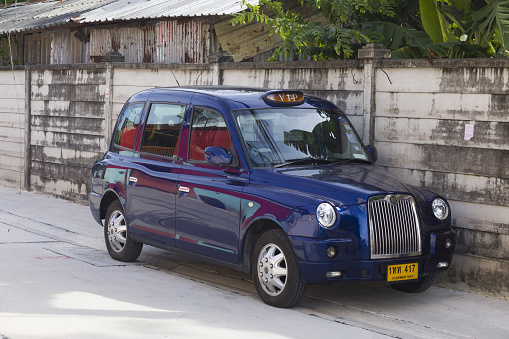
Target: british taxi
275,183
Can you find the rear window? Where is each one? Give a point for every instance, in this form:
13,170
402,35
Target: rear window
127,126
161,135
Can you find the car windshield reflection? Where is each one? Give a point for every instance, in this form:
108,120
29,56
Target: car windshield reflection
298,136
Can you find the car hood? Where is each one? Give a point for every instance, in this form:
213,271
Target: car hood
342,184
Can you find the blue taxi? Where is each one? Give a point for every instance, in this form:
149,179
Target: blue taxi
271,182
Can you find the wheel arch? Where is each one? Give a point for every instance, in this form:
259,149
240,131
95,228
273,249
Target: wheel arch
253,233
108,198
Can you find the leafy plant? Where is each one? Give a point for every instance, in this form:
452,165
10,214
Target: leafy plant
410,28
340,38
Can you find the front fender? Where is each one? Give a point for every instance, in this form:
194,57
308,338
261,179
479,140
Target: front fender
294,213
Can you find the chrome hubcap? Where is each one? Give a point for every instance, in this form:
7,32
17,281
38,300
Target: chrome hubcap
117,231
272,269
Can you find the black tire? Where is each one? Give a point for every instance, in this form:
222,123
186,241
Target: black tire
415,287
275,270
118,242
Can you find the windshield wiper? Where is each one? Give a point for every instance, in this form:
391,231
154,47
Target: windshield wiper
303,161
349,161
317,161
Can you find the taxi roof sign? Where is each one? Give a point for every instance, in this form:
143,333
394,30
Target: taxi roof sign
283,97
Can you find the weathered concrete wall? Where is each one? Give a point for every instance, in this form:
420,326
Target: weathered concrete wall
12,126
129,79
338,81
67,124
73,111
420,133
416,117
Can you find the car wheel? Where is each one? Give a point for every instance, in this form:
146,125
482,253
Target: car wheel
275,270
415,287
118,242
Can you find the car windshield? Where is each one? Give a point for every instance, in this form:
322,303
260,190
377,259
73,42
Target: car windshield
286,136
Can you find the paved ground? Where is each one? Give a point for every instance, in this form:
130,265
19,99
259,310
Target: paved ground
57,281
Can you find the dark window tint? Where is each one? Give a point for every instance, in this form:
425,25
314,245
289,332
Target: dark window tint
208,129
125,133
162,130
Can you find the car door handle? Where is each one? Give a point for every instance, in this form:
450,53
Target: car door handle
183,190
134,180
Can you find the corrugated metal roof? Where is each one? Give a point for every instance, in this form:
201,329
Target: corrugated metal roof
154,9
36,16
40,15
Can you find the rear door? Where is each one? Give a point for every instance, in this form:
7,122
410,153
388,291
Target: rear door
113,174
208,203
153,175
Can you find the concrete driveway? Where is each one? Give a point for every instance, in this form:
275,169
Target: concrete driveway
58,281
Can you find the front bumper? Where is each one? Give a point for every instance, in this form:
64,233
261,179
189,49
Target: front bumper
314,264
369,270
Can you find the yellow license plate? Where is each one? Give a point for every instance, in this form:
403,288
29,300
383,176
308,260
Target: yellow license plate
403,272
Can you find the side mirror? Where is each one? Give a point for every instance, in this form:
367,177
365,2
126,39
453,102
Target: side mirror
372,151
218,156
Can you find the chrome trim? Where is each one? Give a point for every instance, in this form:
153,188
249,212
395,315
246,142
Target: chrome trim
394,228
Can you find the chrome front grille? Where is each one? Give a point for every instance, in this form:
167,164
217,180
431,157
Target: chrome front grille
394,226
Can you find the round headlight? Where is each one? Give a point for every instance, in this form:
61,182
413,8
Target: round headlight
326,215
440,209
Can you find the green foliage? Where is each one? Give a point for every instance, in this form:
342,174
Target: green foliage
434,22
405,43
5,52
410,28
493,20
341,38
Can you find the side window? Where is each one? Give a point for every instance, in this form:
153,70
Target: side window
207,129
162,130
125,133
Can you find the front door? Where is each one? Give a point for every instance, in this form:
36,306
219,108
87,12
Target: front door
208,203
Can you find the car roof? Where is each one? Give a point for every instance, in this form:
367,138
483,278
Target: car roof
235,97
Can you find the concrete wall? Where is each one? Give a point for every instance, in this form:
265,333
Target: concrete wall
67,123
340,82
12,127
420,133
72,111
415,113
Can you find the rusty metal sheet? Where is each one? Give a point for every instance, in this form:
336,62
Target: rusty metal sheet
36,16
135,43
169,41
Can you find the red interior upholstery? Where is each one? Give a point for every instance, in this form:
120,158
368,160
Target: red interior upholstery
202,138
128,137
